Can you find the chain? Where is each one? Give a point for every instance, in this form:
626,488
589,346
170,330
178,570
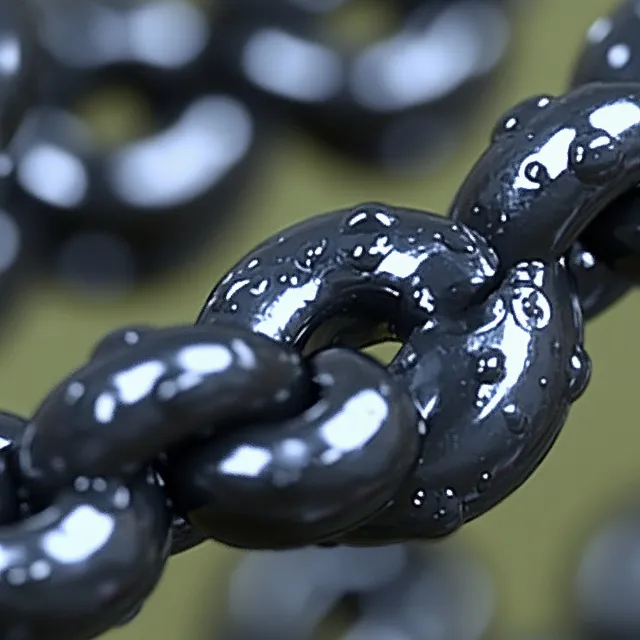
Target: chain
264,427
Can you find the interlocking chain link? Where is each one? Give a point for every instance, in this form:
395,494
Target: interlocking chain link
491,362
264,427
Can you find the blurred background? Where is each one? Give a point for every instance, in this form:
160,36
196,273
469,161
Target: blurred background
532,541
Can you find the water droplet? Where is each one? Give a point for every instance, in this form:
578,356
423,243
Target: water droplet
309,255
419,497
442,506
520,116
543,381
369,218
447,510
599,30
531,273
594,158
456,238
619,55
425,299
531,308
517,422
366,252
485,482
261,286
131,337
99,484
537,173
578,372
75,391
490,367
81,484
121,498
585,260
16,576
40,570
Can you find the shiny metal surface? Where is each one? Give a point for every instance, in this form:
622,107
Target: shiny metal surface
610,55
152,391
75,569
610,50
10,431
492,377
355,277
598,286
317,475
494,390
558,161
145,391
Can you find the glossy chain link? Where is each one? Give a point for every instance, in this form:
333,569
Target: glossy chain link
264,427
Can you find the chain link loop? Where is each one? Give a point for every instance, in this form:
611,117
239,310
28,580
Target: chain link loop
491,376
78,566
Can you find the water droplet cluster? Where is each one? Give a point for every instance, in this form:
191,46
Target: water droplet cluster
491,355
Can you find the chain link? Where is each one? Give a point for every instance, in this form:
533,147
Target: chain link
263,426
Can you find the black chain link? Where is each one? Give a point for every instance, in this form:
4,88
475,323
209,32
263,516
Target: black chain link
263,427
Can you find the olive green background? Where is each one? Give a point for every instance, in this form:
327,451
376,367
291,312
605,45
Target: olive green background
530,540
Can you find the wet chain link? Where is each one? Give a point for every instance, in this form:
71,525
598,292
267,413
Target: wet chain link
264,426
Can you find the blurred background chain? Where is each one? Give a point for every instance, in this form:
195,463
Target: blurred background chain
151,117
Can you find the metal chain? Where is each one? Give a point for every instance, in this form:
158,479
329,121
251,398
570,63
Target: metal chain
395,591
264,427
